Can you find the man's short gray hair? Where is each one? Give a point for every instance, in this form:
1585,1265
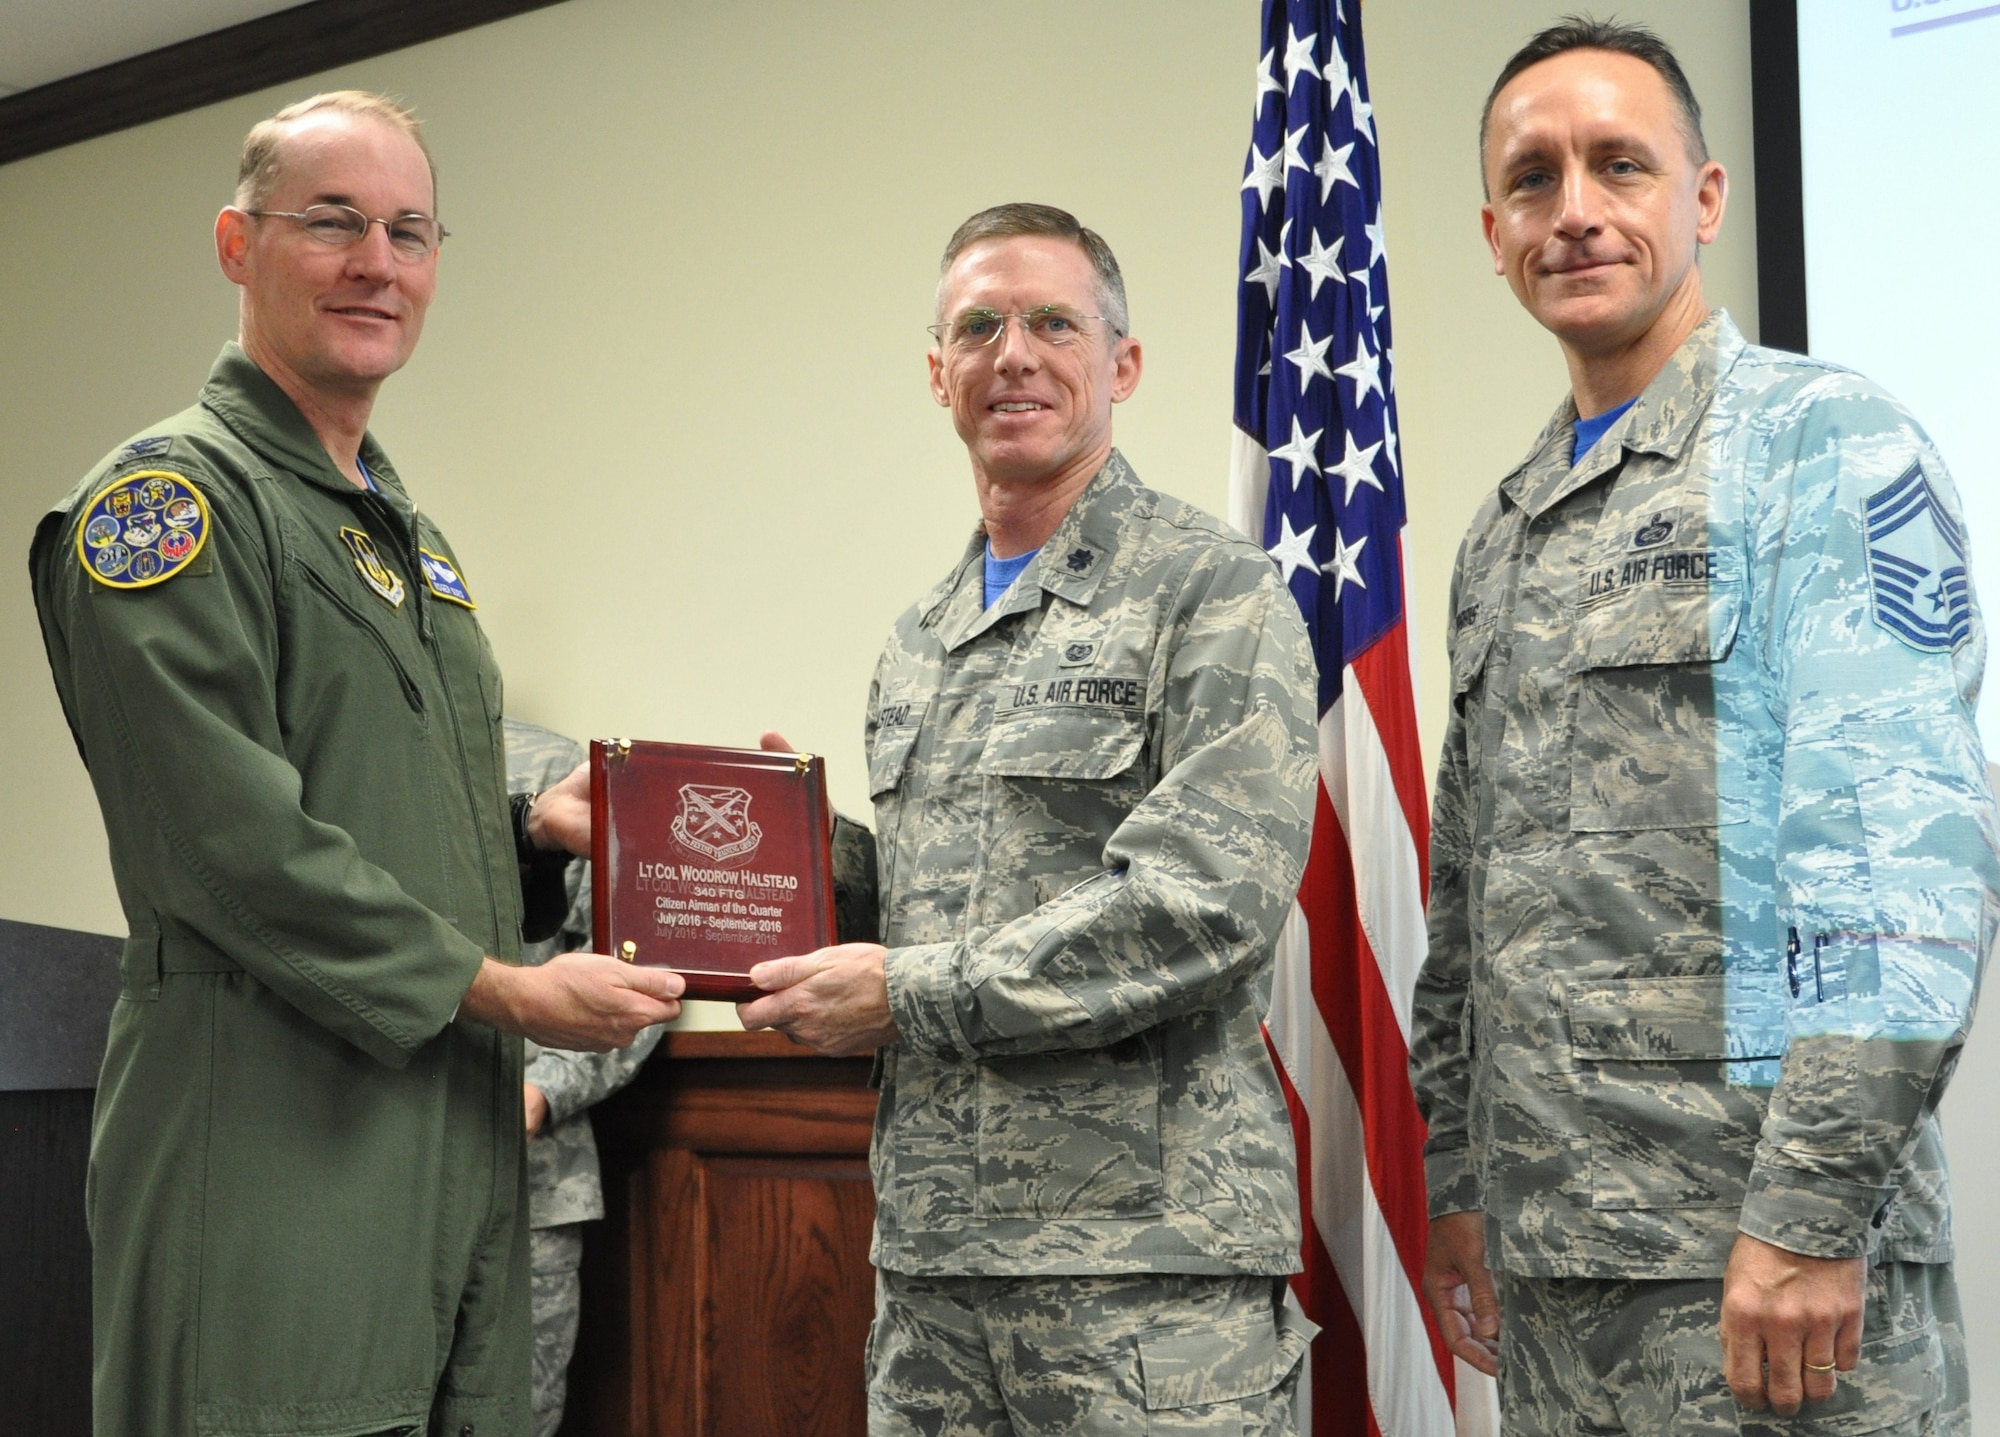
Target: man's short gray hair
1007,221
258,171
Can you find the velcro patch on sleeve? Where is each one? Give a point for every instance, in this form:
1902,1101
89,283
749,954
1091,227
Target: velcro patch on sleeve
142,529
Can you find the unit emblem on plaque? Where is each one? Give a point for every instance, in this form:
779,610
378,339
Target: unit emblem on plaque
714,823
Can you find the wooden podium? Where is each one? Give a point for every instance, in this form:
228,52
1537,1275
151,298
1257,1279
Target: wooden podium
57,989
728,1289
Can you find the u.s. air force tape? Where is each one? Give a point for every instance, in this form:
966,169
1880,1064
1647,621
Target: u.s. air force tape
142,529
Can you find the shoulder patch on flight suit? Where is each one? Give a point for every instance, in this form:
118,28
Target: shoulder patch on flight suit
442,578
1916,566
142,529
376,574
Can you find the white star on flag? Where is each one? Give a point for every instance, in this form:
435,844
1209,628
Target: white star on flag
1295,158
1333,167
1364,113
1266,272
1345,566
1302,454
1310,358
1267,173
1360,277
1389,430
1365,369
1293,551
1267,79
1357,466
1322,263
1299,59
1378,242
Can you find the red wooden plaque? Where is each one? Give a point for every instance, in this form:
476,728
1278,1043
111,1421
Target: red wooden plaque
709,860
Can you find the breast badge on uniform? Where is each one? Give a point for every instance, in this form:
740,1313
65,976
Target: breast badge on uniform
142,529
1656,530
442,578
1916,566
377,575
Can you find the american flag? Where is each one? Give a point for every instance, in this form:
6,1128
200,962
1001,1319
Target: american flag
1317,472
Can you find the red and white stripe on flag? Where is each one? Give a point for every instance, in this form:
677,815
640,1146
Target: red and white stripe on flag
1317,477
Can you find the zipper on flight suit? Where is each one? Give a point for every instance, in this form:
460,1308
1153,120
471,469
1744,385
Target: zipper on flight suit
427,635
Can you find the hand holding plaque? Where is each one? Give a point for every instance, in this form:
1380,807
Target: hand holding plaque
709,860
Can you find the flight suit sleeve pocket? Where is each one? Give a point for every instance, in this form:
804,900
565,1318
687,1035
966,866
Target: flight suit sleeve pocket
1643,755
1663,1130
1076,744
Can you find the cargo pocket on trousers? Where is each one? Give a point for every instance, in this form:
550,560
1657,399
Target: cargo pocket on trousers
1900,1379
1220,1380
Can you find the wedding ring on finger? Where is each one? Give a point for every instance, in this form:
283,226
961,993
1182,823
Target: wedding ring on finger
1817,1367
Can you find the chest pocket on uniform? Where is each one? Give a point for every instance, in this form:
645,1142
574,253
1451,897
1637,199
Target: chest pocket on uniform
1644,750
886,758
1063,743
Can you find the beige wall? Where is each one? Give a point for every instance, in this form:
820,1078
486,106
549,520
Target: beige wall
671,403
671,406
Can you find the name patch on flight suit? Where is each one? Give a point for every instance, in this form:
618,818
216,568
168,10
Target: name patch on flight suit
442,579
1916,566
374,573
142,529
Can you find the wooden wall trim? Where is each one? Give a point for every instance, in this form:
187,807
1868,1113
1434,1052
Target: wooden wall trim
220,66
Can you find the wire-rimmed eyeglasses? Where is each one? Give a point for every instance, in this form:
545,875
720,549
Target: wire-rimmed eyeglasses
412,236
1052,325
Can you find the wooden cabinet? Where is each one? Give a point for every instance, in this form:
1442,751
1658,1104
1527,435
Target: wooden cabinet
728,1289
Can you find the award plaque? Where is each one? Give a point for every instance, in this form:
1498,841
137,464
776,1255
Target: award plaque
709,860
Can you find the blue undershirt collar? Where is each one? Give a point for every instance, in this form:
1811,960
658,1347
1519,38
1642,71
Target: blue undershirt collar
1002,572
1589,431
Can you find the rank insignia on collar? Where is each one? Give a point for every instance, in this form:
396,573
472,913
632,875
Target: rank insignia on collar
441,577
142,529
1080,560
374,573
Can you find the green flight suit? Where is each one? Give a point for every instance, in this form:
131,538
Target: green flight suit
306,1180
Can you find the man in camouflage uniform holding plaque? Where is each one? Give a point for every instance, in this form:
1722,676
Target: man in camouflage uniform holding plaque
1714,856
1091,753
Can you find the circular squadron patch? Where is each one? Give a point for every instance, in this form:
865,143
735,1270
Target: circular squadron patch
142,529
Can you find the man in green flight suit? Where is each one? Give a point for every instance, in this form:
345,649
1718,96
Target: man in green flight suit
306,1183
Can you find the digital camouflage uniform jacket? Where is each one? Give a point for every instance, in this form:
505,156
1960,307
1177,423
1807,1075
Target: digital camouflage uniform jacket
305,1176
1711,816
1094,801
563,1182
